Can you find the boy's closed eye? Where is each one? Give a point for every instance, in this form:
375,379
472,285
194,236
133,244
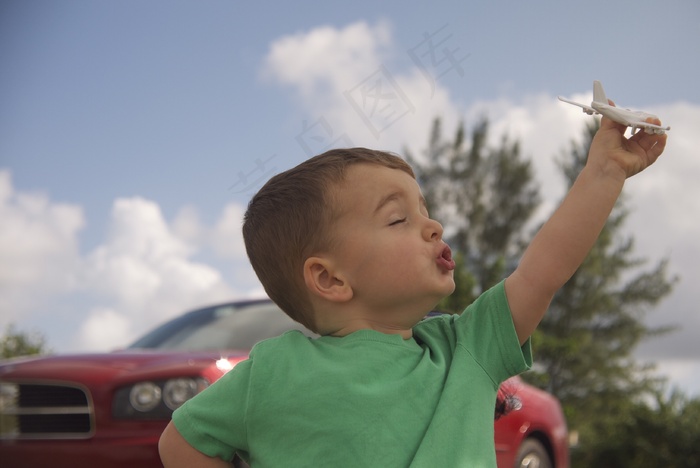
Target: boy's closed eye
398,221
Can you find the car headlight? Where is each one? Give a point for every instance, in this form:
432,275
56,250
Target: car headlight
155,399
178,391
144,396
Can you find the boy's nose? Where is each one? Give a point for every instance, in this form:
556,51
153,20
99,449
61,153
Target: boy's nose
432,230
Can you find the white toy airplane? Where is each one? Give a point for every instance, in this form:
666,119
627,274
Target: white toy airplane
634,119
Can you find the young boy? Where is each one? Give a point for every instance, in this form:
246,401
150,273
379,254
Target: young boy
343,243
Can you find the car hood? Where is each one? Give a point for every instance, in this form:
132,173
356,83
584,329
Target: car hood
120,365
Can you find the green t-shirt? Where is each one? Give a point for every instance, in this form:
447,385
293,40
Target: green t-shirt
366,399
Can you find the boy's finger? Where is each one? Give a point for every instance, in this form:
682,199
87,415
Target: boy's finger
605,123
653,120
654,137
653,144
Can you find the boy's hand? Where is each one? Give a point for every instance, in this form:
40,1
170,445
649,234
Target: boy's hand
610,150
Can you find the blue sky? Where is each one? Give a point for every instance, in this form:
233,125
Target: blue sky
133,133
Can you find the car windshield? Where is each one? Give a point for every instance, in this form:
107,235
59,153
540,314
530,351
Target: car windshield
230,326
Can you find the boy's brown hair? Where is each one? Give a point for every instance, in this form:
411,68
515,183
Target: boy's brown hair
289,220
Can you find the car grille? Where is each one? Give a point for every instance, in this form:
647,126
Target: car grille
43,411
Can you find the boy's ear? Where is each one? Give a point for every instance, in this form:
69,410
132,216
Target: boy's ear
323,281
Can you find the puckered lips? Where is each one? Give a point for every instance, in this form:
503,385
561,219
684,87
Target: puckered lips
444,260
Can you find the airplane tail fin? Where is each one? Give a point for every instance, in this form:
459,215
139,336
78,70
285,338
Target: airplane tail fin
598,93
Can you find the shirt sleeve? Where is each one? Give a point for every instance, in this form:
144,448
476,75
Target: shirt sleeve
486,330
214,422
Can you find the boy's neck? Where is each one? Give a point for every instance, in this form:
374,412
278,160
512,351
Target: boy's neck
360,324
343,318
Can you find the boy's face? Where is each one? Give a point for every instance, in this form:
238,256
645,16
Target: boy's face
389,249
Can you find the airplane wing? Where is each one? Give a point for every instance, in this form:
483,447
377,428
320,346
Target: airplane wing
587,109
649,127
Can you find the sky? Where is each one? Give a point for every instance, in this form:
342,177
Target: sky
133,134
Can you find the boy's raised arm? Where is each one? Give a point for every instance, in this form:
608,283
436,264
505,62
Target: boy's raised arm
565,239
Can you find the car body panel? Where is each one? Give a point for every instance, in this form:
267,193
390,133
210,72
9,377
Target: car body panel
539,417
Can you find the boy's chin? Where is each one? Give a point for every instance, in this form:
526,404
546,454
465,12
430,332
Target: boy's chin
449,289
446,292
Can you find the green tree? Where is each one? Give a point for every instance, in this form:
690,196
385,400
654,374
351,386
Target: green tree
659,433
484,196
16,343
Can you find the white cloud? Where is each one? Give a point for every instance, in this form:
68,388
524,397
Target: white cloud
342,78
144,271
105,329
226,238
669,193
325,61
187,226
38,249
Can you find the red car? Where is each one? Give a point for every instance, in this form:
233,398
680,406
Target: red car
108,410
